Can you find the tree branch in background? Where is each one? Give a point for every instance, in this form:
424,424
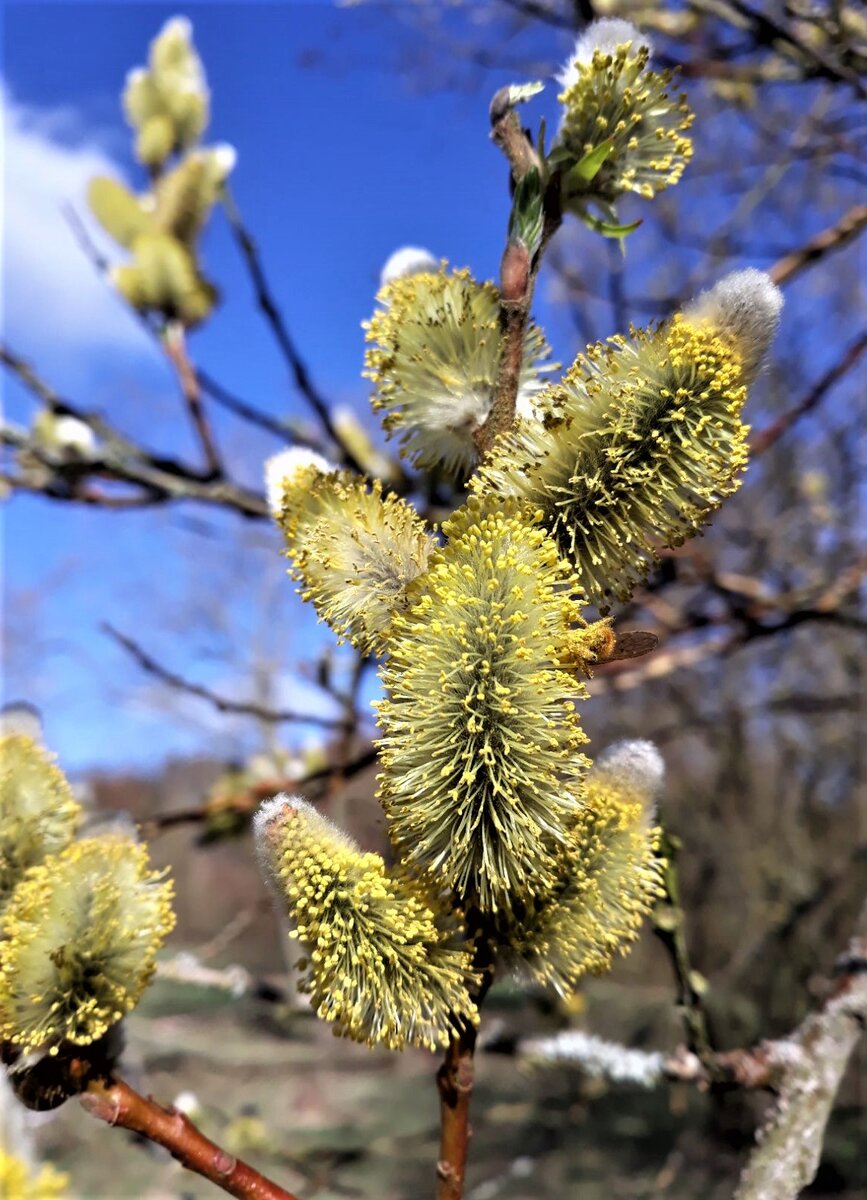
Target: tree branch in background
175,344
249,799
116,458
116,1103
766,438
833,238
275,319
222,703
808,1068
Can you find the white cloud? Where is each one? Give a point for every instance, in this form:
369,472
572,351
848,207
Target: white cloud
54,299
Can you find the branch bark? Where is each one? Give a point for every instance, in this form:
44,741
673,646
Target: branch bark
116,1103
455,1080
518,269
808,1067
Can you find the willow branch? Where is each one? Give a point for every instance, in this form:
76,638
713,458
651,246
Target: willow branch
455,1081
247,800
116,1103
175,343
222,703
158,478
518,269
668,925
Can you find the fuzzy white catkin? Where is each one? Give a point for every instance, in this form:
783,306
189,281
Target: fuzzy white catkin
635,767
280,468
598,1058
408,260
71,434
605,35
747,305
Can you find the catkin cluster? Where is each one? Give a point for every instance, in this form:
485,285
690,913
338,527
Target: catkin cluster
80,920
167,105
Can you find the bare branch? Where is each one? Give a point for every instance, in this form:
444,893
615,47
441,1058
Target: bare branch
766,438
222,703
175,345
808,1068
833,238
274,317
116,1103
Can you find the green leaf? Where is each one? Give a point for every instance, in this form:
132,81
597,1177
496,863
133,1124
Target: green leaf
591,164
607,228
526,218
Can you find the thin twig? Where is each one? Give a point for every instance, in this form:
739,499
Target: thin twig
250,798
668,925
222,703
808,1068
116,1103
175,343
276,321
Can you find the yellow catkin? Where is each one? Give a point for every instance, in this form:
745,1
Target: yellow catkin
480,744
381,965
354,551
78,942
433,354
38,812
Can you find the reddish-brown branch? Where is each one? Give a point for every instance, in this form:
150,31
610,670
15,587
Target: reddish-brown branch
175,344
118,1104
455,1080
518,271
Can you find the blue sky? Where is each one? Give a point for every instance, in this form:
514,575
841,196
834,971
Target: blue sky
353,139
340,161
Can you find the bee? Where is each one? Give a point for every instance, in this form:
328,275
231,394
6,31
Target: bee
634,643
613,647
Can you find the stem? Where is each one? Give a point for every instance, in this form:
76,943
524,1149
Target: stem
668,925
116,1103
518,270
455,1080
174,341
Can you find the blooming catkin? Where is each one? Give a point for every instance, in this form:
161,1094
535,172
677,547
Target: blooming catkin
433,357
610,873
610,96
480,744
380,965
643,438
38,813
78,942
353,551
167,103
